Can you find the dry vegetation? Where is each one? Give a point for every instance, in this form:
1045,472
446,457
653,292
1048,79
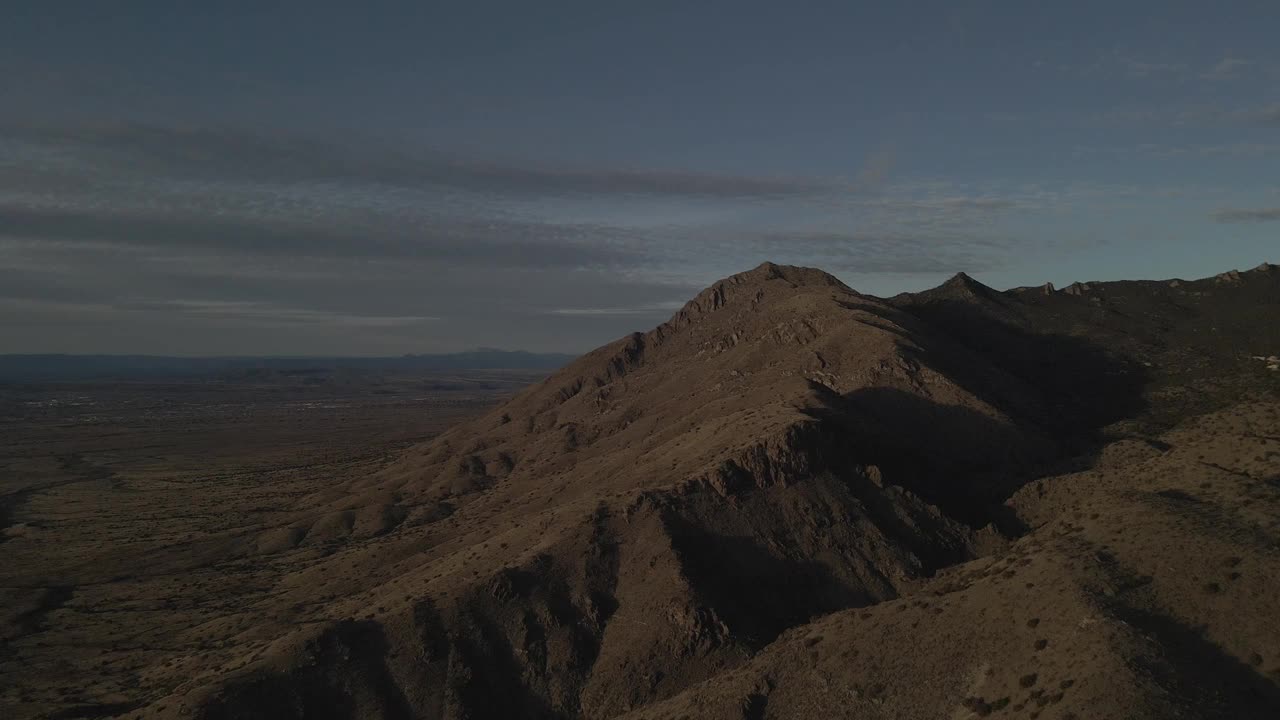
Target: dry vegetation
789,501
130,512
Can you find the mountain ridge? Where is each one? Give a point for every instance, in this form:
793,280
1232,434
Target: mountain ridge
652,525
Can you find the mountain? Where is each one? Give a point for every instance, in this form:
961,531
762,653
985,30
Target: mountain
65,368
795,500
1145,589
1189,345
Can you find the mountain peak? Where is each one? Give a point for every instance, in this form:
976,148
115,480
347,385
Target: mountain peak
959,287
767,268
794,274
961,291
755,288
638,520
963,280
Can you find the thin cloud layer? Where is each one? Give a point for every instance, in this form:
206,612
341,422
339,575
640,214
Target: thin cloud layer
1254,215
453,240
172,182
222,153
335,245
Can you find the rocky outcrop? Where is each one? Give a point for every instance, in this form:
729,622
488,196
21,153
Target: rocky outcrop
681,501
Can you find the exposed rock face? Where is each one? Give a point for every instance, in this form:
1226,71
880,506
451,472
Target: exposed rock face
666,505
681,501
1116,604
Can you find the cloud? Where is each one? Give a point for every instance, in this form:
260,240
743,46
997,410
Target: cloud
877,167
234,312
227,241
1256,215
1206,116
898,253
1266,116
1160,151
261,313
956,204
1143,69
1118,62
1134,67
488,242
225,153
1228,68
659,308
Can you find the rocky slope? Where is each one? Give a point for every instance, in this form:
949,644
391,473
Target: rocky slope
1146,589
795,500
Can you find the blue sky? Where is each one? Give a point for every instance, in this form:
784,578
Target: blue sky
383,178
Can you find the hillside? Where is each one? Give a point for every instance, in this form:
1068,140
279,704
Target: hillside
795,500
1145,589
651,511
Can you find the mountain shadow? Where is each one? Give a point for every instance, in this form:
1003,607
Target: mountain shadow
1065,392
1081,385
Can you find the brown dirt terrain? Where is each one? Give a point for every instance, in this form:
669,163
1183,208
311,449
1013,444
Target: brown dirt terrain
1146,589
127,510
792,500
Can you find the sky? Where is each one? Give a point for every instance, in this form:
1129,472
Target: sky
382,178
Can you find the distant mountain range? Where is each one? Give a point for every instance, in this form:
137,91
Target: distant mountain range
53,367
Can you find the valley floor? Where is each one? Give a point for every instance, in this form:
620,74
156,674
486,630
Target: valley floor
126,510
